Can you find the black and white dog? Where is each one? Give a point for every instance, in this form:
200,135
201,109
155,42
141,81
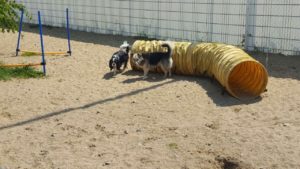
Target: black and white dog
148,60
120,58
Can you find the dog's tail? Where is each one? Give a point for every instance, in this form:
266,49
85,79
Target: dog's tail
169,48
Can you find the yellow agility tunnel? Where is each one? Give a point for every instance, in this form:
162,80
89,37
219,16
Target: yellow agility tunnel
241,75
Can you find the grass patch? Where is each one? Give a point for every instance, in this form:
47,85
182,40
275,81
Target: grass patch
28,54
173,146
19,72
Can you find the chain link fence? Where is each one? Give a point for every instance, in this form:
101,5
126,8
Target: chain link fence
256,25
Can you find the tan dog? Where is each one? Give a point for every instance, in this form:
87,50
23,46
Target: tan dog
148,60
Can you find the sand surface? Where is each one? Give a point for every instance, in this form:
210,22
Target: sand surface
79,117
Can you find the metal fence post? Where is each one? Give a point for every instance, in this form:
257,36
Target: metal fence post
210,22
250,25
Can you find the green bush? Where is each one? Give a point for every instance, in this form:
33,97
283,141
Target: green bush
9,15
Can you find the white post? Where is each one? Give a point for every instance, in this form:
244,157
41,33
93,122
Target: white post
211,20
250,25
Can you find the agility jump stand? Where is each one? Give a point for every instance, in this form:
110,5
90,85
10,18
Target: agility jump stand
47,53
43,63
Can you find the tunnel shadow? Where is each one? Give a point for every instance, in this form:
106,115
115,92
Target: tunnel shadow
213,88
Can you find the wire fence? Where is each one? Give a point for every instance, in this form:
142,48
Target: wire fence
256,25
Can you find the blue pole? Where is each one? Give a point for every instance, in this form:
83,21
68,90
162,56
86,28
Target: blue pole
20,30
42,44
68,31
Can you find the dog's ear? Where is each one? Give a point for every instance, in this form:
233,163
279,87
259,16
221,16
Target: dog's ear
135,56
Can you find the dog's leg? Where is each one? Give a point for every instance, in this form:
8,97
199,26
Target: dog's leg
165,73
146,70
125,65
114,68
170,72
115,71
164,70
170,66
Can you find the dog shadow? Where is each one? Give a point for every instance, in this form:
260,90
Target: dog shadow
108,76
132,73
152,77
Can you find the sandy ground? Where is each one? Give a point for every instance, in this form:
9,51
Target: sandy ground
80,117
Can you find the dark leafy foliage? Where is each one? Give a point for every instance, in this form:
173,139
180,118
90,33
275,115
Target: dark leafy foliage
9,15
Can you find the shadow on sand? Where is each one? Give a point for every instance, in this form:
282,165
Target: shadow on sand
213,90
